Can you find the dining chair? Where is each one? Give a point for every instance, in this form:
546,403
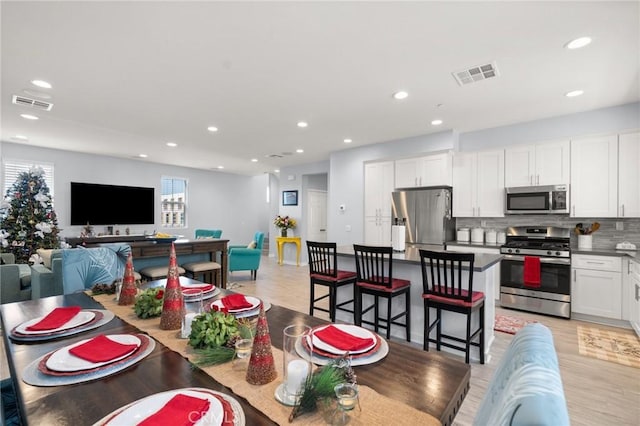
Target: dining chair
210,271
445,289
374,269
323,270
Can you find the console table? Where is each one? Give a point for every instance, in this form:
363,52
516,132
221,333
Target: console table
281,241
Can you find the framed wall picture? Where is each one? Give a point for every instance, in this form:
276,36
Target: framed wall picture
289,198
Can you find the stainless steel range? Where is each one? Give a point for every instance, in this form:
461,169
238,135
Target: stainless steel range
552,296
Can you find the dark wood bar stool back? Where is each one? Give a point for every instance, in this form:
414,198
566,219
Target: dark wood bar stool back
374,267
323,270
445,289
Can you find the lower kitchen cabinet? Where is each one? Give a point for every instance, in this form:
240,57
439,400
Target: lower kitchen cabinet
634,295
596,286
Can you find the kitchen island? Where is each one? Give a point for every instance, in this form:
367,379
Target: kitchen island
406,265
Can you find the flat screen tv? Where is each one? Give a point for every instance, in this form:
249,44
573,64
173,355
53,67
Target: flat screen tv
98,204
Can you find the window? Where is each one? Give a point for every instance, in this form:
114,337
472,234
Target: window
12,168
174,202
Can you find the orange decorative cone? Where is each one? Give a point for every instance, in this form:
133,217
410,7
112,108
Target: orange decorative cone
129,290
172,306
262,369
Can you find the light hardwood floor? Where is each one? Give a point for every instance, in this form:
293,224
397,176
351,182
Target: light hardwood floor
597,392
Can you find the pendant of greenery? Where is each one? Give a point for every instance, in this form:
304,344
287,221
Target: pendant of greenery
149,303
321,384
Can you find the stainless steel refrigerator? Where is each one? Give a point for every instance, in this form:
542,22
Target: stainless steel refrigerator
426,213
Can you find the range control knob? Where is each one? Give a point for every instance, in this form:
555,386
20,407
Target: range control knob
549,253
558,253
517,250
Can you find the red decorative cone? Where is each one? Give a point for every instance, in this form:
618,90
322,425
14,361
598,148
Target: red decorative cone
172,306
129,290
262,369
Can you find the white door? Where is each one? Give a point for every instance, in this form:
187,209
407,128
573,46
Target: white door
464,184
519,166
552,163
317,215
629,175
490,180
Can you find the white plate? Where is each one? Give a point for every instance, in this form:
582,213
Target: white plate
255,303
63,360
196,285
140,410
82,317
354,330
317,359
205,295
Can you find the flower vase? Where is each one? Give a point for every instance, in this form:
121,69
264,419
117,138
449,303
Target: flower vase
283,232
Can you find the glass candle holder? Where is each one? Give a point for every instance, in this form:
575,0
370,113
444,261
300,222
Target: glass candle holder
347,395
296,363
243,348
192,306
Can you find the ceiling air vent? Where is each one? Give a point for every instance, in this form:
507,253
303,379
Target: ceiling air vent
273,156
475,74
32,103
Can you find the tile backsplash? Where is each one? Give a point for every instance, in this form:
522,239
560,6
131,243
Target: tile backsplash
605,238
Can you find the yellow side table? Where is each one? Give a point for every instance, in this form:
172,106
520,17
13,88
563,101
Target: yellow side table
281,241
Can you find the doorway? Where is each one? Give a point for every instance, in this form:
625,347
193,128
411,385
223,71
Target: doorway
316,219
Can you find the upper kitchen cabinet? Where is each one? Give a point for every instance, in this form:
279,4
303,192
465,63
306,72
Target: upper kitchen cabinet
629,175
478,184
378,186
594,176
431,170
540,164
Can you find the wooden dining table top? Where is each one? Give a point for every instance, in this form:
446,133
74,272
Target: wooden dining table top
427,381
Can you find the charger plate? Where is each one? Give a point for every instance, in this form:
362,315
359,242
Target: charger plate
102,316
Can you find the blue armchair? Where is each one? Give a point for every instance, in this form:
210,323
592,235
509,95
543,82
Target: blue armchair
244,258
208,233
11,288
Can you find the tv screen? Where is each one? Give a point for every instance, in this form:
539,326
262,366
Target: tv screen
111,204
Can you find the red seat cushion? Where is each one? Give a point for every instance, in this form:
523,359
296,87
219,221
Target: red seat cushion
341,276
476,297
396,284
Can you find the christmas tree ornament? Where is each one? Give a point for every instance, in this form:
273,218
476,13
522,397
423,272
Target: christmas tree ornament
129,291
172,306
262,368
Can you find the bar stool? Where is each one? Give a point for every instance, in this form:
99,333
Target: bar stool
208,270
443,290
323,270
375,277
152,273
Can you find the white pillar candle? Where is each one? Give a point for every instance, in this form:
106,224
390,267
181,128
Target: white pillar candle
186,324
297,371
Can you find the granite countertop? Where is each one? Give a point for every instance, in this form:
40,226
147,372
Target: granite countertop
411,255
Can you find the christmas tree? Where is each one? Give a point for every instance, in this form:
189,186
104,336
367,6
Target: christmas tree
27,219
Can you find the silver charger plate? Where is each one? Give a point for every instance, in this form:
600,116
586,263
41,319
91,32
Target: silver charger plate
376,356
106,317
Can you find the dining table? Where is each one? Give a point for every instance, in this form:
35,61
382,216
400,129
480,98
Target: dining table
428,382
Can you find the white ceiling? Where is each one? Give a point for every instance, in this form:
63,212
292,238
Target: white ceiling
130,76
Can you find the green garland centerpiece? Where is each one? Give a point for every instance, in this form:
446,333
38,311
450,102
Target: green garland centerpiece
149,303
213,337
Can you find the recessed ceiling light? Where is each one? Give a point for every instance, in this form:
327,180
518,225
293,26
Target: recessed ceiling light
21,137
142,155
400,95
348,141
578,43
212,128
29,116
436,122
299,151
254,160
302,124
574,93
277,170
221,167
172,144
41,83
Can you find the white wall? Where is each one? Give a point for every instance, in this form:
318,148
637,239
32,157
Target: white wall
213,198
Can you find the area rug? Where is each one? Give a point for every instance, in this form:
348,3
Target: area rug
510,324
621,347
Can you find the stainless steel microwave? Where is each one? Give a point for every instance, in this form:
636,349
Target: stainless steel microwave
546,199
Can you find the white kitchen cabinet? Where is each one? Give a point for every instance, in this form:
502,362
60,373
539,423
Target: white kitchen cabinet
430,170
594,176
545,163
478,184
596,286
633,295
629,175
378,186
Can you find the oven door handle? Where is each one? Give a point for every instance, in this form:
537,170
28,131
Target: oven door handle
552,260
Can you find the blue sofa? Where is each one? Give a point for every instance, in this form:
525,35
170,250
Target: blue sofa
526,388
243,258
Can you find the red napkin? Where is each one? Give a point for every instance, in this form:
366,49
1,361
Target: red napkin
191,290
101,349
531,272
181,410
235,301
341,340
56,318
